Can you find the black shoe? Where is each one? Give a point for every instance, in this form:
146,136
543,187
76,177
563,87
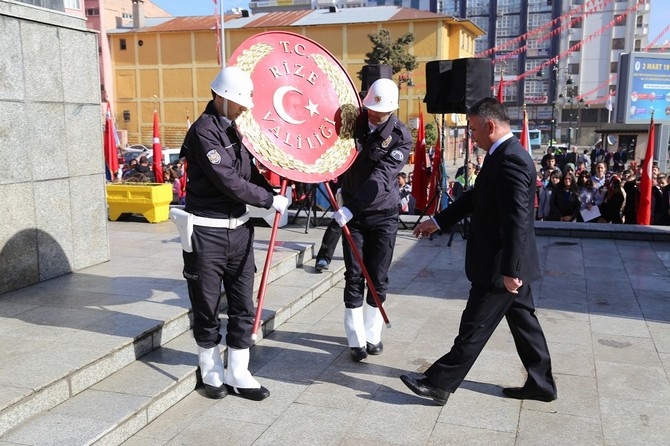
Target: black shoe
321,264
374,349
423,387
358,353
250,394
214,392
527,393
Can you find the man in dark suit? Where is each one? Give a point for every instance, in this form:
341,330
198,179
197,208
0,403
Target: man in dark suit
501,261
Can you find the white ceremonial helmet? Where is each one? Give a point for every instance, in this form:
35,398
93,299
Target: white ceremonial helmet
234,84
382,96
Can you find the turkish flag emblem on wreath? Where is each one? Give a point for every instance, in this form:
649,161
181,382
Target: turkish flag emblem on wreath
305,107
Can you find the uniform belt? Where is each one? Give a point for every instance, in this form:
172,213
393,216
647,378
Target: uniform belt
228,223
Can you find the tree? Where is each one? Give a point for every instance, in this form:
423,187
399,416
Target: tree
387,52
431,134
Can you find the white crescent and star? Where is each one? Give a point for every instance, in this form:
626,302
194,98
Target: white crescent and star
278,102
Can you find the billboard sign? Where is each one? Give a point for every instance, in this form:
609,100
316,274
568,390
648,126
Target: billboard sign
644,87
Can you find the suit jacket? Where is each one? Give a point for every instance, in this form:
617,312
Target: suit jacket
501,239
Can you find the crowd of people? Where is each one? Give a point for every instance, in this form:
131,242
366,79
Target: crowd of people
138,170
602,187
593,186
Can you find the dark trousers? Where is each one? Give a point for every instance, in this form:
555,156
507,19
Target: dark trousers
221,256
483,312
374,237
329,241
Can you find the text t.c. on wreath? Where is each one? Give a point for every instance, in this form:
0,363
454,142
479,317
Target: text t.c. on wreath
305,107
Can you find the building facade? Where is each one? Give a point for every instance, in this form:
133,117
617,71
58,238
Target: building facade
170,66
567,66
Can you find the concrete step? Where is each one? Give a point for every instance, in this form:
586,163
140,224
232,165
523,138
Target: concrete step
43,393
118,406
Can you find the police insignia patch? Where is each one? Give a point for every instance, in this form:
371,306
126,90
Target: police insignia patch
214,157
386,142
397,155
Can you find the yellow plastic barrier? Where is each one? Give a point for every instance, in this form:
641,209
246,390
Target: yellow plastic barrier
152,200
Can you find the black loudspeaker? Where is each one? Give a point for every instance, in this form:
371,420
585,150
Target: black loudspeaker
452,86
371,73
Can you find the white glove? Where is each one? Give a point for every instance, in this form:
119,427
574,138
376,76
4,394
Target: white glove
342,216
279,203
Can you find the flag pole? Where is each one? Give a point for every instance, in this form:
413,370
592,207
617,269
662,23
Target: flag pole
223,37
266,268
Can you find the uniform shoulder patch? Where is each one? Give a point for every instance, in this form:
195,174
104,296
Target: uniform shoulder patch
397,155
214,157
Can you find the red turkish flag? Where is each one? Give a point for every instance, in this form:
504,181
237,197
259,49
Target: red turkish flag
644,205
158,151
419,180
435,178
111,155
525,133
500,90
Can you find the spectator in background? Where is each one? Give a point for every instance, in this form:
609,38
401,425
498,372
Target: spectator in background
586,194
597,156
620,158
129,169
572,157
552,186
658,208
405,194
546,156
549,164
630,187
599,180
565,202
665,188
143,169
584,158
611,209
471,177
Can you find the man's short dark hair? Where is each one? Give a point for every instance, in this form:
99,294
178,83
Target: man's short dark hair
144,160
489,108
403,175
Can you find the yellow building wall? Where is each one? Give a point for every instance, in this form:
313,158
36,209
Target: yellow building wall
172,71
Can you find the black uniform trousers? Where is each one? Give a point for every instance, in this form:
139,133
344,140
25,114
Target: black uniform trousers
374,234
483,312
329,241
221,256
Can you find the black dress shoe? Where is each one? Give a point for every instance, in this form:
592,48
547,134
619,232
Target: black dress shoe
374,349
214,392
358,353
527,393
423,387
250,394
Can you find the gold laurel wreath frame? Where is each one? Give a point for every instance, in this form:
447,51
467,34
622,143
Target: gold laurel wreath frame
334,157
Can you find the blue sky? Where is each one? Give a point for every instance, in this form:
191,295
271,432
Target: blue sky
660,13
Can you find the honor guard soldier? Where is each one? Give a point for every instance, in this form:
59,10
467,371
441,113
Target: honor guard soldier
370,208
217,239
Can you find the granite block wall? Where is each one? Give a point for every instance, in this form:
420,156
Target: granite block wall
53,213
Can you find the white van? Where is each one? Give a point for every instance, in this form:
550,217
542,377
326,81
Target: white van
170,156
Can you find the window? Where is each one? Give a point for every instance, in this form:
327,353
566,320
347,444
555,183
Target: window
620,20
92,11
122,44
618,44
573,68
614,67
638,45
72,4
573,43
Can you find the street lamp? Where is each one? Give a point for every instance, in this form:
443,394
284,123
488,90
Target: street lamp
571,100
556,71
